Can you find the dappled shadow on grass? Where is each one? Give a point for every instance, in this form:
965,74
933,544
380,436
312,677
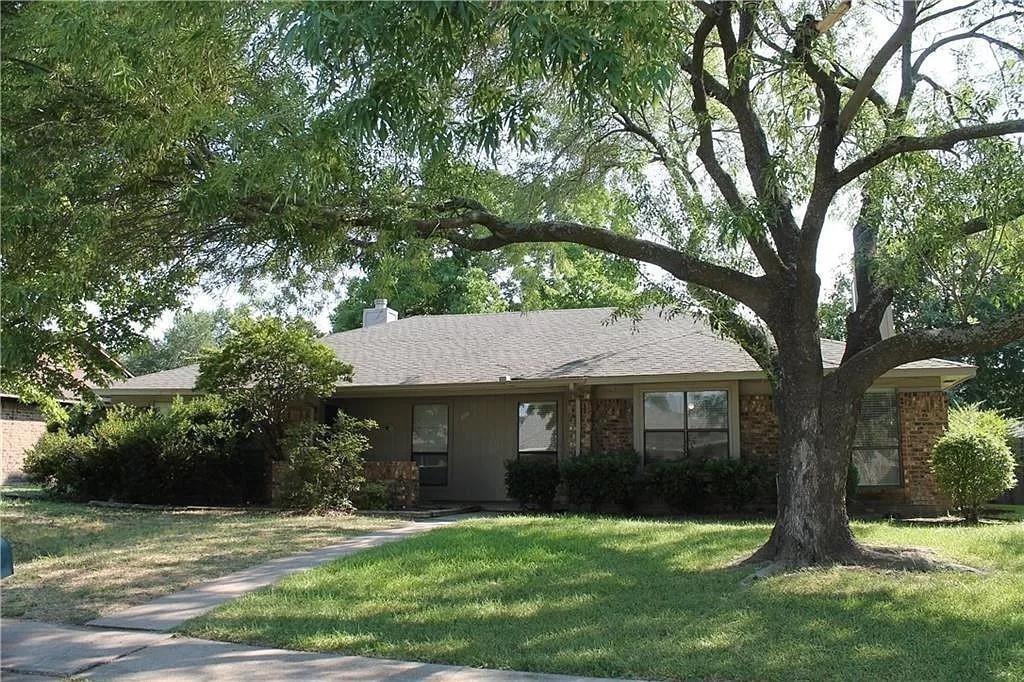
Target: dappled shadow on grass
641,599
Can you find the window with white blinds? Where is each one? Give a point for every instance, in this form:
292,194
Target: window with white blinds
876,446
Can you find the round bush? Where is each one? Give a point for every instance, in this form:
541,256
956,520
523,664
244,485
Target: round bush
972,468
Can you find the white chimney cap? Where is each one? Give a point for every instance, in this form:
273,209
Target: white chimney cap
380,313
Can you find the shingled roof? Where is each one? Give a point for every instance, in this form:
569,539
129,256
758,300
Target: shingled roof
539,345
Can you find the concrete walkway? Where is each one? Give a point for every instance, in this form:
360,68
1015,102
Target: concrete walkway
32,649
167,613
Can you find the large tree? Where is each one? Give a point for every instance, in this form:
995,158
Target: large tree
759,119
705,142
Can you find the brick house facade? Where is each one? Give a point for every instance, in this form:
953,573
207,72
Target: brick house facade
606,425
21,427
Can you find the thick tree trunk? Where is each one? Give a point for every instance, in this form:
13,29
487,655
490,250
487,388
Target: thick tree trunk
816,430
816,438
817,422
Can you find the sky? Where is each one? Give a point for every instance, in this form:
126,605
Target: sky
836,245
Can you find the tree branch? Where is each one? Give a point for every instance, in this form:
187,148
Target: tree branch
747,289
900,36
857,373
904,145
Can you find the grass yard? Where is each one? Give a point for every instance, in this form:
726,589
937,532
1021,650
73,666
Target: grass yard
612,597
74,562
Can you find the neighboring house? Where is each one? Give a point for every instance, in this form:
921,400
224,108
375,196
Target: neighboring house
460,394
22,424
21,427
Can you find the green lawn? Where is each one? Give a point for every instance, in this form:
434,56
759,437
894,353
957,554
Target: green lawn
74,562
651,599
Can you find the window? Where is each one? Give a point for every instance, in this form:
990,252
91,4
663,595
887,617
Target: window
876,446
691,424
538,430
430,443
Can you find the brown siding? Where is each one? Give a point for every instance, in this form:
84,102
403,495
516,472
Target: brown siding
482,435
21,427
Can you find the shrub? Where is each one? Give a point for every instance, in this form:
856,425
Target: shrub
191,454
61,463
739,483
532,482
592,480
128,456
206,458
323,465
973,418
972,467
373,495
680,485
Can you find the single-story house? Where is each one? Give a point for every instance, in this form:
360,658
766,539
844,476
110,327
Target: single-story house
460,394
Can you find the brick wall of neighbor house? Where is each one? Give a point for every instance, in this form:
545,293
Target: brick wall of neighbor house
21,426
759,428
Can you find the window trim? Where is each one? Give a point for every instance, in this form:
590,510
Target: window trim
412,441
558,434
899,445
685,431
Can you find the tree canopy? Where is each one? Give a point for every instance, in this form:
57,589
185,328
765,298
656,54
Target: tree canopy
267,367
706,143
190,332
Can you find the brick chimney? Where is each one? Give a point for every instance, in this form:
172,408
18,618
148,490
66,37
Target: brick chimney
380,313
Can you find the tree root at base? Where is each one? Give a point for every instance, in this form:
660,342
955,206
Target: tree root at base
858,556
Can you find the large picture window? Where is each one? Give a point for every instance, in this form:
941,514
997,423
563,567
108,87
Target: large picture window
686,425
538,429
430,443
876,447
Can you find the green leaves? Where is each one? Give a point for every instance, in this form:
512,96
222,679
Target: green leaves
267,367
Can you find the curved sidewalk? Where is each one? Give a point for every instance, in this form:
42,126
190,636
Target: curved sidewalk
166,613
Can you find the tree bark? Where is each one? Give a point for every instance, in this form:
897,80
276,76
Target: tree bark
816,431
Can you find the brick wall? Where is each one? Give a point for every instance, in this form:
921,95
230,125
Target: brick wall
402,478
759,428
611,424
923,418
21,426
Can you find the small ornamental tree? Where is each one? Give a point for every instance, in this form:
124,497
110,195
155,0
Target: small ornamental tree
265,367
972,467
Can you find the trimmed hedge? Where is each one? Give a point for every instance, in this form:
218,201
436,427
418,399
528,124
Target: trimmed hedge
592,480
533,483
